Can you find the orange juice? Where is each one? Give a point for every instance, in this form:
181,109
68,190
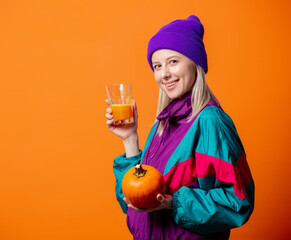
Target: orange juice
121,111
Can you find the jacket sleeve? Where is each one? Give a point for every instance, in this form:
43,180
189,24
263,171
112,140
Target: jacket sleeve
225,196
120,166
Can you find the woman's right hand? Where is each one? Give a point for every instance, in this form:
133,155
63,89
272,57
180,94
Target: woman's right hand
124,131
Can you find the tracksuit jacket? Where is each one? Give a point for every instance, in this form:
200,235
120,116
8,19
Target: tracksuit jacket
204,166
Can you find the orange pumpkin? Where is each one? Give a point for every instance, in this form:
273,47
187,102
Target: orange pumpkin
141,185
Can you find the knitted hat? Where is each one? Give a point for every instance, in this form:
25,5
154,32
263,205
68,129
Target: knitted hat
184,36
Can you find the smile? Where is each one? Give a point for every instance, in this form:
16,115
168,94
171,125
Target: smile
171,84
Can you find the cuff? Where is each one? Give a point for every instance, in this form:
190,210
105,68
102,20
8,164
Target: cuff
176,206
132,158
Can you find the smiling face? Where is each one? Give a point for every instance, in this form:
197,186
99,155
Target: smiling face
174,72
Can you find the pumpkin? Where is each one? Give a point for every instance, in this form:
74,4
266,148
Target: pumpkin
141,185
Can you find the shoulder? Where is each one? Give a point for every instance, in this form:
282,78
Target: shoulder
213,114
215,118
218,134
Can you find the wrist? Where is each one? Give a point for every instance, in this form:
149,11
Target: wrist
130,139
131,145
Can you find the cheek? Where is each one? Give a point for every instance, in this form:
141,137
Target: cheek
158,78
191,77
191,80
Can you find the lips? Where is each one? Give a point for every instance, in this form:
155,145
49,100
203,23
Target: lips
171,84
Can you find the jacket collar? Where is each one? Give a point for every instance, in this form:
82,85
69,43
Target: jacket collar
177,108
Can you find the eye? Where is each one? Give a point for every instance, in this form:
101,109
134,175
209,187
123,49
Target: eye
157,66
173,61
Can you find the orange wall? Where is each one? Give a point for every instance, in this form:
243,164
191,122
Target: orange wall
56,154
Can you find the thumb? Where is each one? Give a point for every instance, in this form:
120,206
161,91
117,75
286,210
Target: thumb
160,197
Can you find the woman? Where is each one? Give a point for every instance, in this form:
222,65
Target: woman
193,143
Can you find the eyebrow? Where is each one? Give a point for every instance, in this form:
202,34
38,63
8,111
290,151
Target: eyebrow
169,58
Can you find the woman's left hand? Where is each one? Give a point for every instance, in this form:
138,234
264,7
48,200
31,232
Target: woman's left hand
165,200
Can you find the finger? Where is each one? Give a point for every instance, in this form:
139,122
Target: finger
107,101
136,209
110,122
109,116
125,200
160,198
109,110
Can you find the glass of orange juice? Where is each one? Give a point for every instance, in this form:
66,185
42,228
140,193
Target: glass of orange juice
120,96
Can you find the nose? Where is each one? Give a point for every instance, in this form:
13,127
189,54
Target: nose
166,73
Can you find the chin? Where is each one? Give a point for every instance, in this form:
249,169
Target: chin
172,97
173,94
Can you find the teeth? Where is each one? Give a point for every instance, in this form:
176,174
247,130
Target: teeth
171,84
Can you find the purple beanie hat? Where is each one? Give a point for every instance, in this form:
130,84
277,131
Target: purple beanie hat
184,36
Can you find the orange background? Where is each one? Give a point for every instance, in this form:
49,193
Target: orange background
56,154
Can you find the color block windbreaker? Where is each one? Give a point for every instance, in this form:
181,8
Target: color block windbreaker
204,167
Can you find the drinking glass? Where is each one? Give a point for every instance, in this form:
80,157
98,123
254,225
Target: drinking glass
120,96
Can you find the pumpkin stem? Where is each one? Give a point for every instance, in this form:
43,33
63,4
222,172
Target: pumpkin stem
139,171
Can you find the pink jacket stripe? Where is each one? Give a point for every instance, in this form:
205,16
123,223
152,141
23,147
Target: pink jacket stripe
204,166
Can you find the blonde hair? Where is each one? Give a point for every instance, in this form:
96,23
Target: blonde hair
201,95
